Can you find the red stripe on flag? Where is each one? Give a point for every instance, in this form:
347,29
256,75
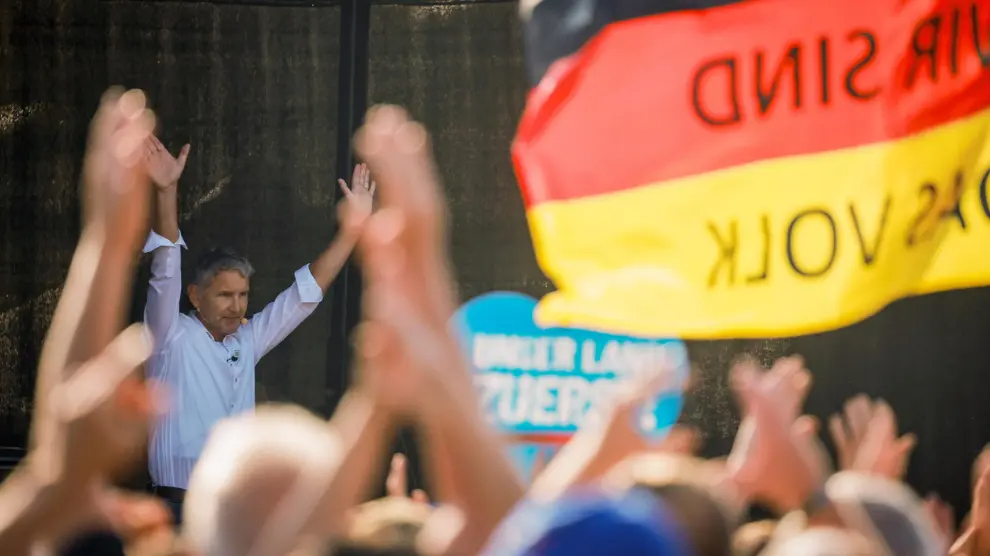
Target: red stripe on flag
667,96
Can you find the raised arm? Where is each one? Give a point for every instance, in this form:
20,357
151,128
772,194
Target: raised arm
412,295
352,213
165,241
292,306
83,432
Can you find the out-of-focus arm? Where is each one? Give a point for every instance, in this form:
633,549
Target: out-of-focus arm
470,459
363,429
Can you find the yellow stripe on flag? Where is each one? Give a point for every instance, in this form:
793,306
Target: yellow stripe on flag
785,246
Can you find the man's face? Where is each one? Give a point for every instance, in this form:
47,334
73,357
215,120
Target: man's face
221,304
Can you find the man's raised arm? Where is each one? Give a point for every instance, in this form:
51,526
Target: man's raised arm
165,287
292,306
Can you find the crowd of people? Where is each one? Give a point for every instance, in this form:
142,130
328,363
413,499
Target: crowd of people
230,479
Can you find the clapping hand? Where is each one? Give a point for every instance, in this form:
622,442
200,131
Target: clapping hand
775,459
92,410
867,440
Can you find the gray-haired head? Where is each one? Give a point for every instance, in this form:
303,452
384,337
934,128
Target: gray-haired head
218,260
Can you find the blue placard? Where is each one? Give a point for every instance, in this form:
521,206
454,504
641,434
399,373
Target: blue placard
540,385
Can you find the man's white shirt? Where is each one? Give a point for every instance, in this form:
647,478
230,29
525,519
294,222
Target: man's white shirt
206,380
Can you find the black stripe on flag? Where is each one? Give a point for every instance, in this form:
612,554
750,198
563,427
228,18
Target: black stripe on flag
558,28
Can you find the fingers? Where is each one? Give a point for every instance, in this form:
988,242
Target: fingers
106,117
837,429
99,378
858,411
344,189
802,382
806,427
361,179
681,439
129,141
131,515
357,176
397,152
183,156
905,445
395,484
645,382
419,496
982,491
883,423
117,134
743,378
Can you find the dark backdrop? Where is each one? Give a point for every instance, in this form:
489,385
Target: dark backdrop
255,90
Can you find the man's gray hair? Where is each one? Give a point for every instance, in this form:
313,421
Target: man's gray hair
217,260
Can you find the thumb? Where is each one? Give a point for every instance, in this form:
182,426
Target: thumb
183,156
97,379
906,444
395,484
420,496
806,427
681,440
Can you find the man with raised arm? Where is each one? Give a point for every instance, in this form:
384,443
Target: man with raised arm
206,359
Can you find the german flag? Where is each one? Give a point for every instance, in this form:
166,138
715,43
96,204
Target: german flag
706,169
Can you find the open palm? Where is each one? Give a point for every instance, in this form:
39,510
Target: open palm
164,169
358,198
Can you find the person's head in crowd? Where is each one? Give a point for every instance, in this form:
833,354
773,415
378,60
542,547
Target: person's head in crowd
259,487
823,541
219,288
351,549
885,511
753,538
387,523
879,516
587,521
693,490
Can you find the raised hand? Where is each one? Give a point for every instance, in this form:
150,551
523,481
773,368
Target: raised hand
92,411
975,539
605,441
619,423
411,294
774,458
847,430
358,200
163,168
867,439
115,189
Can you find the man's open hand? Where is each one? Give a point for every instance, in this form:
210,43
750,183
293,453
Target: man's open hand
163,168
356,207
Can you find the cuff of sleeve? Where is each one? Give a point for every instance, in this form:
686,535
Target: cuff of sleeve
309,290
155,241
